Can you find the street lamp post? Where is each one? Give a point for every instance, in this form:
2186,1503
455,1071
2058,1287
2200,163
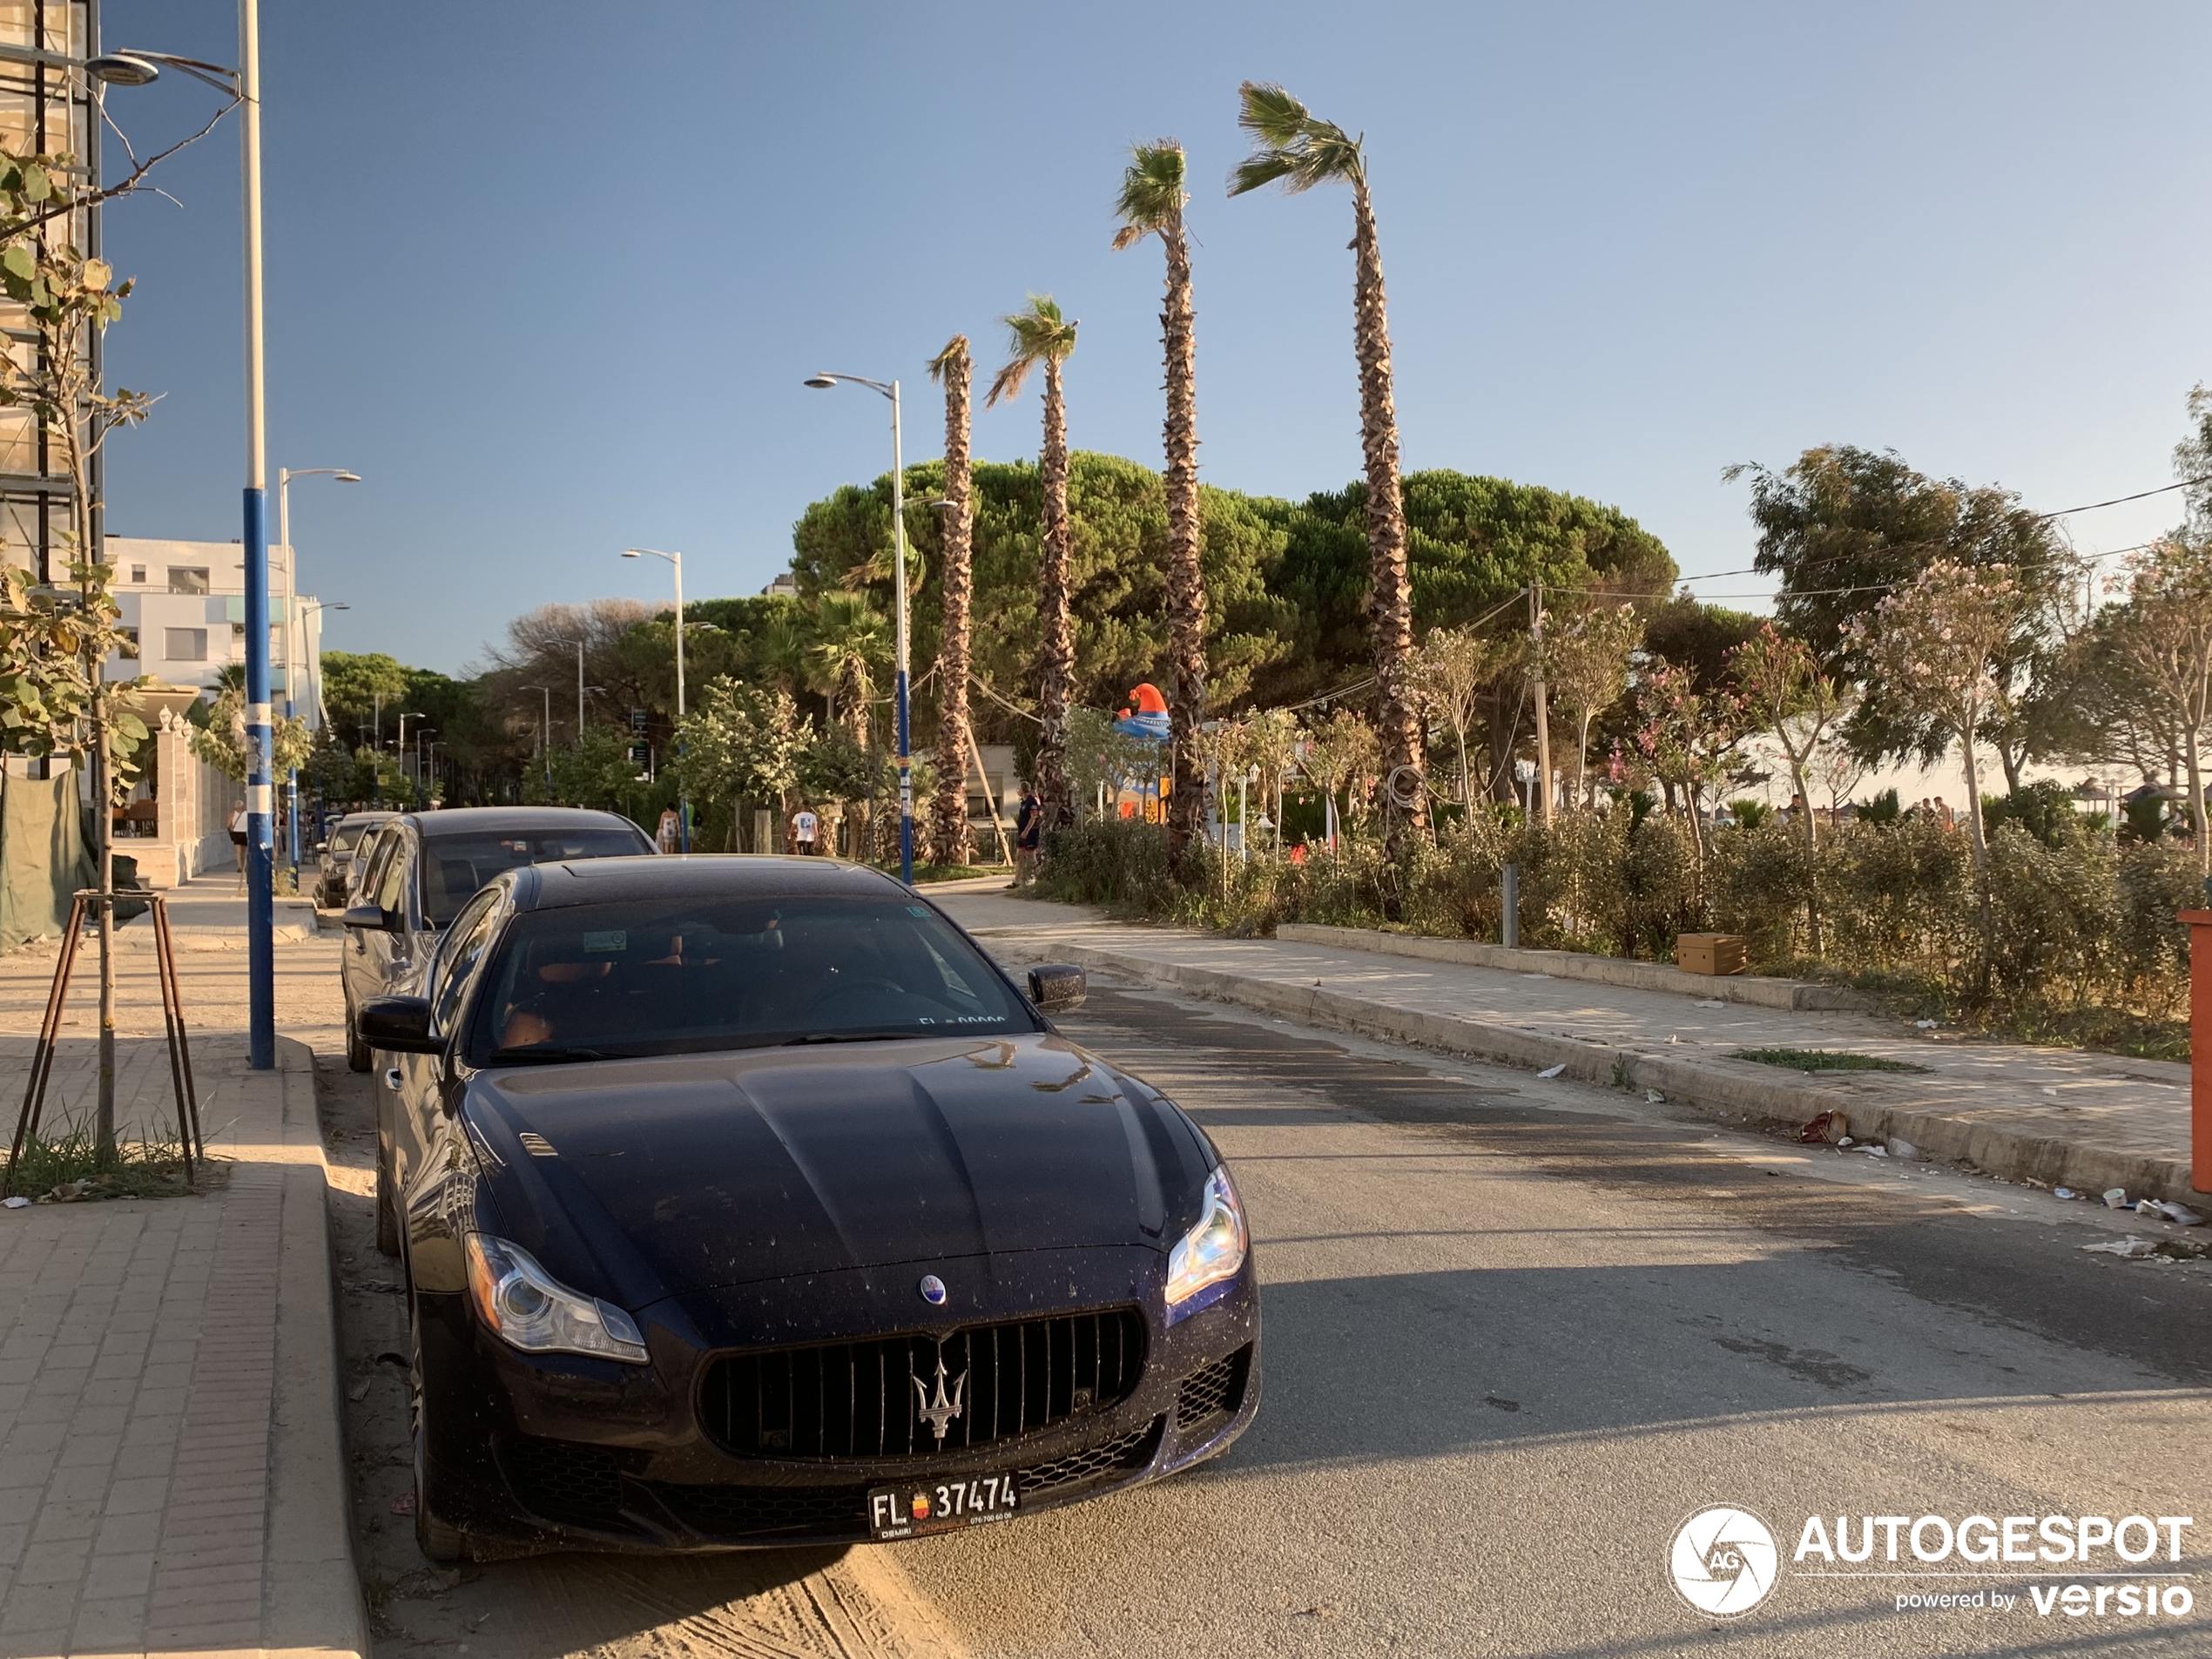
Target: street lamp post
399,744
138,69
284,475
322,776
422,792
544,737
683,806
890,389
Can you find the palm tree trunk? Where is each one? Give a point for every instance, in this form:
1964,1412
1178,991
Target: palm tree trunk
1186,581
949,836
1056,626
1390,609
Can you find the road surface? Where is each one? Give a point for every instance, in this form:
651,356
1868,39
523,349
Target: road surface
1516,1331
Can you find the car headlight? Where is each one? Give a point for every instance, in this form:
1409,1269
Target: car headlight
534,1312
1212,1253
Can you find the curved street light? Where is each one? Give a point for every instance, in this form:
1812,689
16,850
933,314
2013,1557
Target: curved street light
284,475
890,389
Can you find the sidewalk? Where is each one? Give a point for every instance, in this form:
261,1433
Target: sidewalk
172,1474
2058,1116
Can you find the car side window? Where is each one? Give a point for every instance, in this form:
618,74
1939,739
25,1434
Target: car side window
373,871
391,884
458,954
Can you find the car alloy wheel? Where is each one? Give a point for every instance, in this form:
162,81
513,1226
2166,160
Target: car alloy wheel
358,1057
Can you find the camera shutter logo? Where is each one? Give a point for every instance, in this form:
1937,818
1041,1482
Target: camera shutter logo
1723,1560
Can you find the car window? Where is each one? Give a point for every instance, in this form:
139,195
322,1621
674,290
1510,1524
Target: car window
678,976
374,870
342,839
458,954
391,886
454,868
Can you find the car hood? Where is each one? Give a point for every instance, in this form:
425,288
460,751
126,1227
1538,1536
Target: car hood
660,1177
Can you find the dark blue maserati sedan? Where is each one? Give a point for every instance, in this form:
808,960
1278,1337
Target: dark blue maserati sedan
745,1202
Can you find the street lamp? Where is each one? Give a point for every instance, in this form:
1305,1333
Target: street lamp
323,778
683,806
284,475
420,794
243,84
544,737
890,389
435,744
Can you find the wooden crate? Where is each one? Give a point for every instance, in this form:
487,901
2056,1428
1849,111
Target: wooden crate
1716,953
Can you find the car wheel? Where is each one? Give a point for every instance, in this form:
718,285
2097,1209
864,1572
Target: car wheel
387,1204
358,1057
437,1537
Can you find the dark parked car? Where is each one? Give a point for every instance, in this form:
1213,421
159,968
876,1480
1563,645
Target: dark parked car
425,865
353,834
747,1202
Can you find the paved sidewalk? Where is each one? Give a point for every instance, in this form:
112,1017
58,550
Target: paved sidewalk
172,1477
2058,1116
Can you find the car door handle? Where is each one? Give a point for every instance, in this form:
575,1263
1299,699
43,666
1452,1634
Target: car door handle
392,1079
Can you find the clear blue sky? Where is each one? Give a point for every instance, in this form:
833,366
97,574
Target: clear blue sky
548,274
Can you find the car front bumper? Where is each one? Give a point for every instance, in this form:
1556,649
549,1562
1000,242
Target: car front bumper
562,1451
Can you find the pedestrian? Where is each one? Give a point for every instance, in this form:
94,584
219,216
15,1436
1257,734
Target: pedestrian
670,835
1029,826
238,841
805,826
1944,815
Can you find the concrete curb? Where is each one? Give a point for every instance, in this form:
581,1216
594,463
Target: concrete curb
1735,1086
1754,989
314,1589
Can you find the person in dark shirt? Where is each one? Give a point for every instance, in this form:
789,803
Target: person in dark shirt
1028,824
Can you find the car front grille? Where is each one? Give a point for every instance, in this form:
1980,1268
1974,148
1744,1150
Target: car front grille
1213,1391
876,1399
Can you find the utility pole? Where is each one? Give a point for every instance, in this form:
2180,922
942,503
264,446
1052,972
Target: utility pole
1543,720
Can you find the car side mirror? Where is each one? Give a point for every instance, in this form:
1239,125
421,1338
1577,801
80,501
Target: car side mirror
1056,987
322,847
371,919
399,1024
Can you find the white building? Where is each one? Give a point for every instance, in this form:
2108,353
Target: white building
184,605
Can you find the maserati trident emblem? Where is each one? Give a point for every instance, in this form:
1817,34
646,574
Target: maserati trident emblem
940,1413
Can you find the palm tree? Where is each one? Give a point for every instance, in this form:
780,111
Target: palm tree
948,817
1151,204
1290,148
1040,334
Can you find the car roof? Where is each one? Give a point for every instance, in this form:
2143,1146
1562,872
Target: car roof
515,821
546,887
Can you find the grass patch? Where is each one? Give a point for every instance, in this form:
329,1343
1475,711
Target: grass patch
1822,1059
68,1168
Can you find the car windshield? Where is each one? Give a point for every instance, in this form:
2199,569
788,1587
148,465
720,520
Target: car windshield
343,838
455,868
678,976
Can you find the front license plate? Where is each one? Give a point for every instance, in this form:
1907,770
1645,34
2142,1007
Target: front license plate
939,1505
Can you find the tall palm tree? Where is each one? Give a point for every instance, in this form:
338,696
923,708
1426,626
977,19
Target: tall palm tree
1040,334
1151,204
1292,148
948,816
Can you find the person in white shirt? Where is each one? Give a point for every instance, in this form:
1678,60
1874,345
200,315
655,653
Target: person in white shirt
238,841
804,828
671,831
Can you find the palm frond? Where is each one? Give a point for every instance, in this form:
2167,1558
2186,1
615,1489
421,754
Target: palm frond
1007,383
1037,333
956,351
1290,145
1152,193
1271,114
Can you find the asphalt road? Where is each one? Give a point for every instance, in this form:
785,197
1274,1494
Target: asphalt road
1516,1331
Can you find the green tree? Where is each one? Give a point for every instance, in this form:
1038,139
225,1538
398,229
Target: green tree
1151,203
740,742
1937,647
353,682
1783,688
1586,666
1040,335
1293,148
2165,636
1843,527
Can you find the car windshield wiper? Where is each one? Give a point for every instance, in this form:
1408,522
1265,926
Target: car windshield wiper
549,1056
877,1035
